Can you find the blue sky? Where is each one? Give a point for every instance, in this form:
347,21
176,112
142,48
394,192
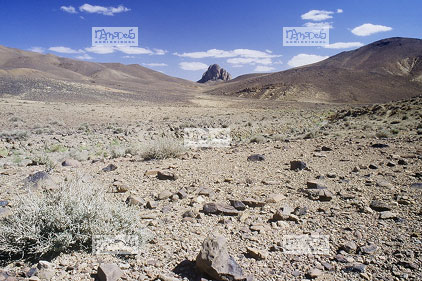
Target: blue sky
182,37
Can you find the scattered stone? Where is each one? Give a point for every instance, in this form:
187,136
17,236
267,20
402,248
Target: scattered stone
275,198
133,200
356,267
152,205
109,272
323,195
331,175
189,214
256,157
383,183
206,191
316,185
256,253
372,166
165,194
218,208
253,203
325,148
71,163
166,175
215,261
417,185
4,203
182,194
349,247
280,216
379,206
109,168
238,205
151,173
379,145
387,215
300,211
391,164
38,180
368,250
314,273
402,162
120,187
297,165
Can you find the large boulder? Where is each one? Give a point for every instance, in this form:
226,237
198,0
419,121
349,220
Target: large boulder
215,261
215,73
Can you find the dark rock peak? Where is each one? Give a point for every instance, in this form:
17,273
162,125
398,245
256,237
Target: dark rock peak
215,73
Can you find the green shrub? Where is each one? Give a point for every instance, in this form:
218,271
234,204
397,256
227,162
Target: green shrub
47,223
162,149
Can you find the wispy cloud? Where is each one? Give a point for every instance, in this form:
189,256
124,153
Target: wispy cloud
369,29
304,59
153,64
319,24
134,50
236,57
193,66
263,68
344,45
69,9
160,51
84,57
37,49
106,11
101,50
65,50
319,15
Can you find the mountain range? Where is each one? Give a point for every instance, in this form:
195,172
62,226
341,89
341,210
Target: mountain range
386,70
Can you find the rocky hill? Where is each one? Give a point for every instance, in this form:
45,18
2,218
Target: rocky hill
215,73
386,70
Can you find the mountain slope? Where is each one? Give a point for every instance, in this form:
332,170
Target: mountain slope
389,69
36,76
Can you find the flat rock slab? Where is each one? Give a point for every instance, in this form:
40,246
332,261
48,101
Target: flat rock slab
256,158
166,175
417,185
218,208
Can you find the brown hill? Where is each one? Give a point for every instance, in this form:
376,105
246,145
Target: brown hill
36,76
386,70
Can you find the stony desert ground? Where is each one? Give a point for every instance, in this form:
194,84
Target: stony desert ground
361,186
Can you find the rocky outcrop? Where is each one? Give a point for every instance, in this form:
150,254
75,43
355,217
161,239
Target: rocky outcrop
215,73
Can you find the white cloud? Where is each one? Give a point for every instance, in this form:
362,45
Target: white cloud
84,57
134,50
193,66
263,68
69,9
369,28
215,53
304,59
344,45
106,11
155,64
339,11
37,49
317,15
252,61
101,50
318,24
160,52
236,57
65,50
128,57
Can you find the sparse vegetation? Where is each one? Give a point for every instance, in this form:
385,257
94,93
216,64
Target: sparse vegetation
258,139
162,148
52,222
